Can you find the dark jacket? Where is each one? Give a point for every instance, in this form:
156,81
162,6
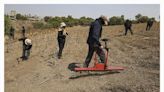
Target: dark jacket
128,24
150,22
25,47
61,35
95,33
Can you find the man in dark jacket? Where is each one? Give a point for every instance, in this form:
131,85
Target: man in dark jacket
149,24
93,40
128,25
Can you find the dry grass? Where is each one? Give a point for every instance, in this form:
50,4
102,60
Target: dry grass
43,73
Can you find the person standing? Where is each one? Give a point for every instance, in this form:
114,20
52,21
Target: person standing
61,38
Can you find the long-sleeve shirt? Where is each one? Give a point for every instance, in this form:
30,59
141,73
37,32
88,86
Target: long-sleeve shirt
62,33
25,47
95,33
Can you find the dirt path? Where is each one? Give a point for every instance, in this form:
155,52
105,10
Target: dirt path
44,73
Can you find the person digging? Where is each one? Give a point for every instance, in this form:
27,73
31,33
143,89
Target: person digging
27,45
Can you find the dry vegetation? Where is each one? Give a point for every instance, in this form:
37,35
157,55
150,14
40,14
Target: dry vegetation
44,73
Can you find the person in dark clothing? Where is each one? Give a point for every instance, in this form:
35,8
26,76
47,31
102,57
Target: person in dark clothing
23,32
61,38
149,24
11,34
27,45
93,40
128,25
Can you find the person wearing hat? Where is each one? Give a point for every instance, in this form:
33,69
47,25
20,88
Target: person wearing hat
61,38
93,40
27,45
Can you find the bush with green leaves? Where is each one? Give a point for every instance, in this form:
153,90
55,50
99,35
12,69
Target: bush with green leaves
116,20
85,20
7,25
69,20
20,17
142,19
41,25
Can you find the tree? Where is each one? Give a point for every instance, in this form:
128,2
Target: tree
143,19
20,17
85,20
116,20
55,22
47,18
138,16
122,17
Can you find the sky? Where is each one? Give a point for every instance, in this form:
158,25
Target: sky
88,10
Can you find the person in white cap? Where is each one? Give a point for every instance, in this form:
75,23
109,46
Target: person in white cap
93,40
27,45
61,38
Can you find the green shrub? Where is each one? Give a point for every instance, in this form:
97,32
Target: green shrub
38,25
20,17
7,25
115,20
41,25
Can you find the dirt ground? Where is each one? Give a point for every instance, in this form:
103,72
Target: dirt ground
43,72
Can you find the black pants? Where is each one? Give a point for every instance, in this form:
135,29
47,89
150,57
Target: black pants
126,30
91,51
25,54
61,42
148,27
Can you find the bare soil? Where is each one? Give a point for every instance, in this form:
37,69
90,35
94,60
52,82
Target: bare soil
43,72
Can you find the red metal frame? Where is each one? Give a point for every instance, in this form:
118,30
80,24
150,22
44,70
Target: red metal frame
100,66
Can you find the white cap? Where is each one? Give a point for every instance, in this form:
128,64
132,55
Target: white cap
105,18
62,24
28,42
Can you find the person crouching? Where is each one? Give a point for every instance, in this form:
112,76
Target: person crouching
27,45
